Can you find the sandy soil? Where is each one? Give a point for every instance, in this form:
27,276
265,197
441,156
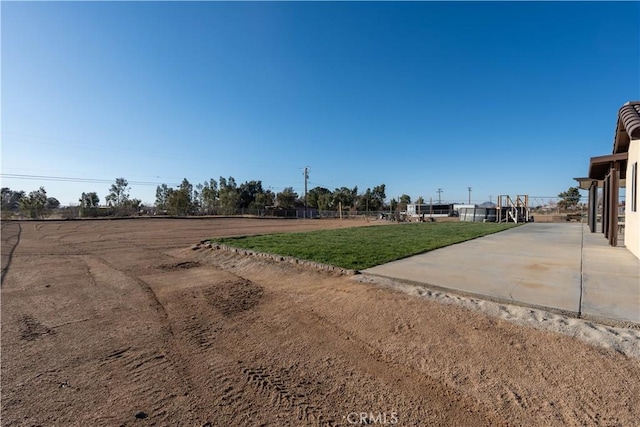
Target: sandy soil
121,323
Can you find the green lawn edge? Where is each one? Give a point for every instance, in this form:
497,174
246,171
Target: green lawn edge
359,248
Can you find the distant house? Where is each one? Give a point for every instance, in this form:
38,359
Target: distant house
430,209
612,173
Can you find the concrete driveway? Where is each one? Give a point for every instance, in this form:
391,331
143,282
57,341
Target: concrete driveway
558,267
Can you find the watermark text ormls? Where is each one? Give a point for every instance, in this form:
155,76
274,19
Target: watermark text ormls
372,418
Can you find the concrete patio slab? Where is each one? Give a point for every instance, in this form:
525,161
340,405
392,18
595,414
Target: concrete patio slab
558,267
611,281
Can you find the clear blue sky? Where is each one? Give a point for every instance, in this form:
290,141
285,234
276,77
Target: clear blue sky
505,97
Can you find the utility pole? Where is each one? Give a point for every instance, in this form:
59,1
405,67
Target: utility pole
306,178
367,208
439,192
469,194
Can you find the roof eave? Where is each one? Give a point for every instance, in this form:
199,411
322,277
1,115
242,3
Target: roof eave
599,166
627,126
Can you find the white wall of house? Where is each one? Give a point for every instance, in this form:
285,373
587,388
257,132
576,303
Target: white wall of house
632,219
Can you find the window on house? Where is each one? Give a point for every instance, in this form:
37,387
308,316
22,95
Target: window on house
634,187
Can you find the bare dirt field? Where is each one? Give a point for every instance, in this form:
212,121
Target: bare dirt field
120,323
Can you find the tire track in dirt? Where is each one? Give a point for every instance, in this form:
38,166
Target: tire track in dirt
281,394
234,386
354,368
197,315
231,297
232,402
142,367
372,366
11,232
136,362
201,336
197,310
32,329
89,260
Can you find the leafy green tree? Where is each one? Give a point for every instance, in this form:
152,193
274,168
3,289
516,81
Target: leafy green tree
197,198
89,200
162,194
420,200
364,201
187,188
209,196
377,197
570,198
52,203
118,193
10,200
314,195
299,202
325,201
34,205
372,200
265,199
248,193
345,196
405,199
180,200
286,199
89,203
228,197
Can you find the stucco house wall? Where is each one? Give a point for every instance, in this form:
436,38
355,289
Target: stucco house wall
632,219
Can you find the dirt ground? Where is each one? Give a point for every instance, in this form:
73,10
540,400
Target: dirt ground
120,323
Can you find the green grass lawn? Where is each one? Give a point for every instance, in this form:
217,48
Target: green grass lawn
358,248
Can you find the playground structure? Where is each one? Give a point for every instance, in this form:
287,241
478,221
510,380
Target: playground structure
510,210
506,210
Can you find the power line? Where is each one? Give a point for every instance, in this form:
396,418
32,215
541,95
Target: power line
79,180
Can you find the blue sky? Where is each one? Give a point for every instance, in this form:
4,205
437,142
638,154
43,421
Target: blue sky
505,97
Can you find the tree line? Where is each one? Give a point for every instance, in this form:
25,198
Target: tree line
36,204
225,196
222,197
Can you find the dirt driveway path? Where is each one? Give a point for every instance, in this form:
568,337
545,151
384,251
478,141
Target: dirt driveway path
120,323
